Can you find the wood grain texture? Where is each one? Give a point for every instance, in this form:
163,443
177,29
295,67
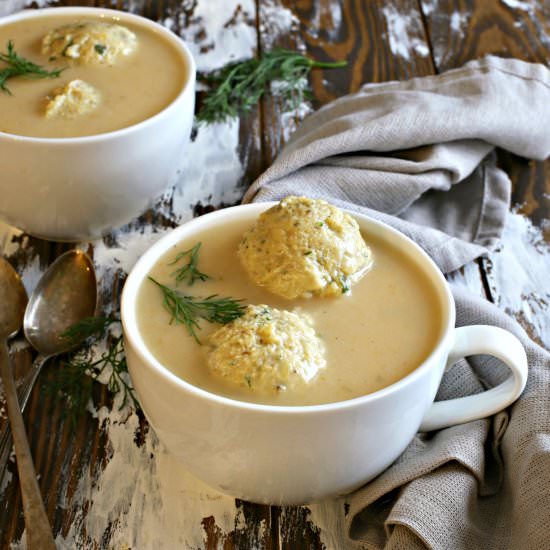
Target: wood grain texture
381,41
368,35
460,31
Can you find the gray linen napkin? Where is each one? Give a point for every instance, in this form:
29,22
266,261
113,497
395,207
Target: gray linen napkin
418,155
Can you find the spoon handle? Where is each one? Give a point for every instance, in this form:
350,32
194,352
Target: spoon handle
23,394
30,381
39,533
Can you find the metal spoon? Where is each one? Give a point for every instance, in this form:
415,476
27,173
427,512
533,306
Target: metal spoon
13,299
66,293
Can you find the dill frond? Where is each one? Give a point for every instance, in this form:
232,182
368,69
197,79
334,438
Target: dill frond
19,66
189,272
73,381
238,87
189,310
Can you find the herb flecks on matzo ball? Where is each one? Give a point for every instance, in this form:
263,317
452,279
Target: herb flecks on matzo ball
89,43
74,99
303,247
267,350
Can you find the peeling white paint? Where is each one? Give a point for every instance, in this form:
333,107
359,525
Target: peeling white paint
211,173
124,253
521,271
469,278
291,119
11,6
328,516
429,6
31,273
8,239
217,33
144,498
519,5
458,22
404,31
276,21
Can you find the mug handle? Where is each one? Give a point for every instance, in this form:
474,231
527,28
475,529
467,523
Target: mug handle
488,340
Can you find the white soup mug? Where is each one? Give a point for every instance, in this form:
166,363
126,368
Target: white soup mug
294,455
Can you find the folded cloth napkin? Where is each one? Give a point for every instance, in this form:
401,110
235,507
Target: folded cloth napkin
418,155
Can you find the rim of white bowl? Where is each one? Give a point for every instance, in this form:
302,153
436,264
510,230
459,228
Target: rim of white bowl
152,255
173,38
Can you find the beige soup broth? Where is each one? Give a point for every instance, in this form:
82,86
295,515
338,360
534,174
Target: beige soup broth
375,336
133,89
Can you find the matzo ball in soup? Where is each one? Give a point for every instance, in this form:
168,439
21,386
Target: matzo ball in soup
72,100
90,43
358,342
114,74
304,247
267,349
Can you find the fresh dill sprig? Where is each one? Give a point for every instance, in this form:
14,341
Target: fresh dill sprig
74,379
189,310
114,358
238,87
19,66
189,272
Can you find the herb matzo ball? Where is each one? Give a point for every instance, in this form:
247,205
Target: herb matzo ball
303,247
266,350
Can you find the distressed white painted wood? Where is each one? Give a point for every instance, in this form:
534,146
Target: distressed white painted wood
142,498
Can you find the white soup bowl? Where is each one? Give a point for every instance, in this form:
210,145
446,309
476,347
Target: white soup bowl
77,188
294,455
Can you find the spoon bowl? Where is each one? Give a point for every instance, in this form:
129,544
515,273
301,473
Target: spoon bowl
66,294
13,300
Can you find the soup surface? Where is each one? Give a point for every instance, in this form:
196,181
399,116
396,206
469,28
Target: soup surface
132,89
375,336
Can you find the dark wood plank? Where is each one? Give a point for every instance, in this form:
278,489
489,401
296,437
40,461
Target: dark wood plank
462,30
368,35
253,532
381,41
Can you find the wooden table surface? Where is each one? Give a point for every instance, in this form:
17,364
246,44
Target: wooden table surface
108,483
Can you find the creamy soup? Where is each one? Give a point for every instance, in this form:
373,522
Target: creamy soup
133,89
373,337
